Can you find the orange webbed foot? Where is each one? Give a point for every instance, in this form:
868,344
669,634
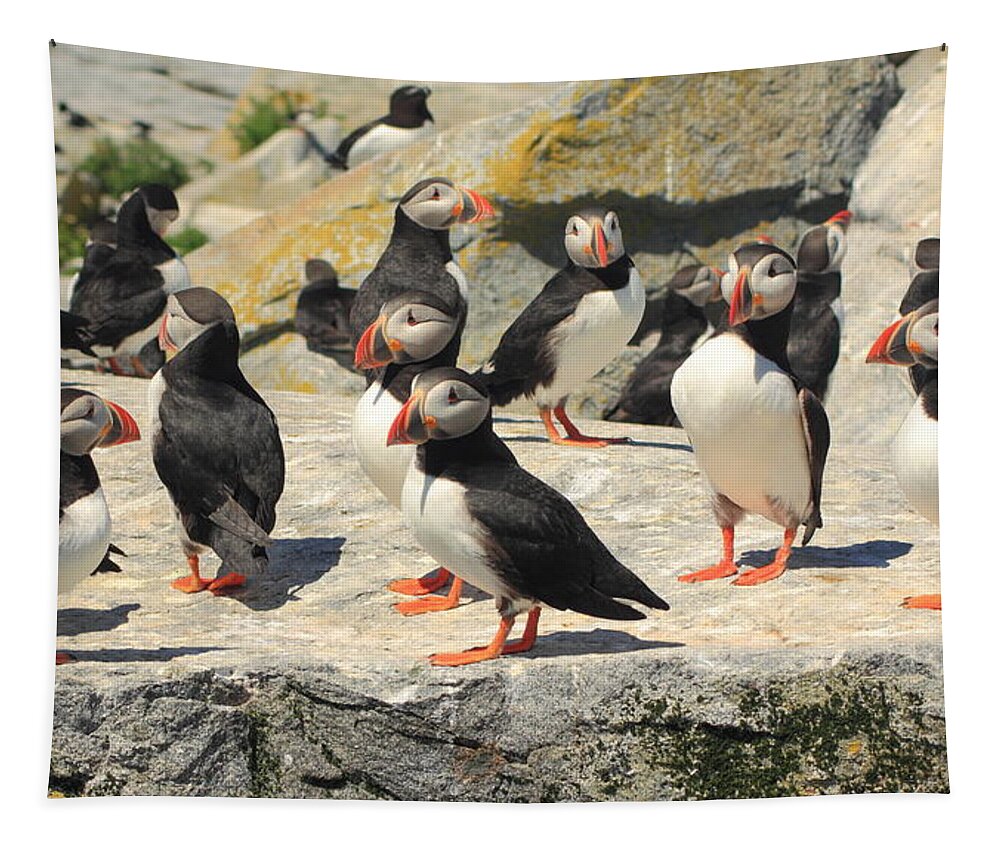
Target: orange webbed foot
497,647
190,584
222,584
63,658
760,575
716,571
432,603
923,601
466,657
425,585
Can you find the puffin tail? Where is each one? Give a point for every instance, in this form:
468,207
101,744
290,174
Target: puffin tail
503,390
814,522
616,580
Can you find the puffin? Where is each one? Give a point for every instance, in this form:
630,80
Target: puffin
646,395
818,315
924,287
760,436
913,341
323,309
74,334
74,118
582,319
215,442
123,297
473,507
416,264
408,120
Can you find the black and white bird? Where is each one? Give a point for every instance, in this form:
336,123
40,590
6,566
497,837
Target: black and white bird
473,507
74,118
323,310
818,315
123,298
924,287
86,422
913,341
582,320
417,281
408,120
646,396
759,436
215,442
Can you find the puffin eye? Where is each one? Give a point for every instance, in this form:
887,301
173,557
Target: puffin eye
576,230
614,224
452,396
410,318
437,194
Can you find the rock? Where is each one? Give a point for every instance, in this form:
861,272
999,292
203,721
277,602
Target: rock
310,685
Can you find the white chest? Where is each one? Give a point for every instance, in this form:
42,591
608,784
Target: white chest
84,535
593,336
153,395
742,416
382,139
456,272
435,510
386,466
175,275
914,457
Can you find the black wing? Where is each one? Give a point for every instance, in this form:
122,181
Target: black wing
74,334
344,148
546,551
814,345
817,430
124,297
219,454
646,395
923,288
322,316
522,360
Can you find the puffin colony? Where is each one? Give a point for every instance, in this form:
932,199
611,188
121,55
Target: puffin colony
742,365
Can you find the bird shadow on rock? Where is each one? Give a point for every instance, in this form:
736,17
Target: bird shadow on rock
128,654
294,563
868,554
529,438
79,621
596,642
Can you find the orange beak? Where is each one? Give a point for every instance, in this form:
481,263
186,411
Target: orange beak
368,354
890,347
163,337
123,428
475,207
741,306
600,246
402,429
841,218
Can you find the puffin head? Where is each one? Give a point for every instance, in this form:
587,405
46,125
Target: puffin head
412,327
759,282
87,421
189,313
594,238
823,246
318,269
444,403
410,102
927,254
161,206
436,204
910,341
698,284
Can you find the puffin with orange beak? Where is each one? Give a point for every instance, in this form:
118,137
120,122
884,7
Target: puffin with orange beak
582,320
409,315
759,436
818,316
913,342
215,442
122,298
474,508
86,422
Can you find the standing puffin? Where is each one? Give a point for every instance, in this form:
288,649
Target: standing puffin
416,263
86,422
408,120
581,321
646,395
474,508
913,341
215,442
817,318
759,436
323,309
123,298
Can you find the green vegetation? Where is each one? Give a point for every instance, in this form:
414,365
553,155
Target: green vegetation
72,241
121,168
266,116
187,240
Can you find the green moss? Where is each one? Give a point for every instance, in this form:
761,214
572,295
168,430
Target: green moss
187,240
264,117
121,168
265,780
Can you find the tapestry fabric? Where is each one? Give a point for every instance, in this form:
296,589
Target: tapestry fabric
429,440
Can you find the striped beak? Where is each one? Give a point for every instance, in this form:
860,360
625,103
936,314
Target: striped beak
474,207
163,336
890,347
373,349
123,428
741,306
409,425
840,218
